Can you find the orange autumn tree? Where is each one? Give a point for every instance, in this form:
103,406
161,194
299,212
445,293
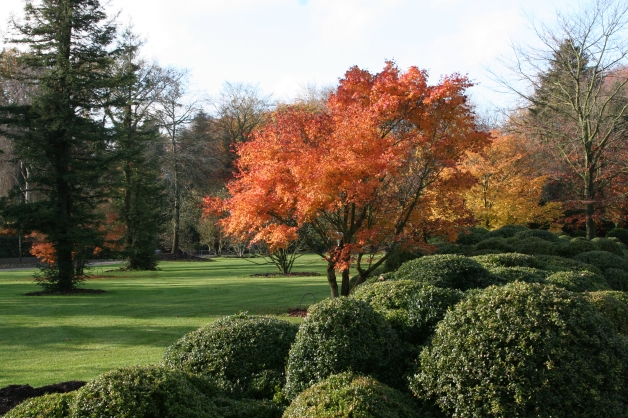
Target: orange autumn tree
377,169
509,185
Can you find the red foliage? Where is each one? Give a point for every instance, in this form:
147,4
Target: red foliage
377,169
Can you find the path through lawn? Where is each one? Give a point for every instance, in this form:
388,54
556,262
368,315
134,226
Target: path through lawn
49,339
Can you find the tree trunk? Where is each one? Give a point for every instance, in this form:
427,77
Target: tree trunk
177,211
346,289
589,208
331,279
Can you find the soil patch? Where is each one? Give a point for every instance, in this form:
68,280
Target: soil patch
13,395
73,292
295,274
299,312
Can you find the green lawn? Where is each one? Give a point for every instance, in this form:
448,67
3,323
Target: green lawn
48,339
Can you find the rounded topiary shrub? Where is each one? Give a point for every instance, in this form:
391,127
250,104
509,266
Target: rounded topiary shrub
534,245
555,263
349,395
578,281
576,246
614,306
448,271
339,335
509,260
525,350
609,245
398,257
620,233
471,236
617,279
143,391
522,274
505,231
54,405
603,260
245,355
537,233
495,244
412,308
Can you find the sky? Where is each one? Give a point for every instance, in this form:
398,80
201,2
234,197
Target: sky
284,45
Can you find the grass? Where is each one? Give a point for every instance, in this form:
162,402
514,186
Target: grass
50,339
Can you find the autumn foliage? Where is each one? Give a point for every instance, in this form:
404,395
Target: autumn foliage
377,169
509,187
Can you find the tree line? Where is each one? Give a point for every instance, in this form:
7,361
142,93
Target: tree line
106,151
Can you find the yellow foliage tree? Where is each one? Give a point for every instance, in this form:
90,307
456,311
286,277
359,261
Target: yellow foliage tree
509,185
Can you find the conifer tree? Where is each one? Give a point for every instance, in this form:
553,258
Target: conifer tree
61,134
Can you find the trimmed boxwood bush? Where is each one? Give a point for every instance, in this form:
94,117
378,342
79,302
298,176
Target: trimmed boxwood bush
505,231
617,279
522,274
525,350
349,395
412,308
609,245
496,244
143,391
603,260
245,355
338,335
509,260
537,233
578,281
471,236
555,263
620,233
446,270
614,306
54,405
534,245
576,246
398,257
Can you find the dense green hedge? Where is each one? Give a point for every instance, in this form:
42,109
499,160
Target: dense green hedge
245,355
533,245
620,233
603,260
505,231
617,279
526,350
472,236
495,243
578,281
447,271
412,308
509,260
556,263
611,245
614,306
54,405
143,391
348,395
339,335
537,233
522,274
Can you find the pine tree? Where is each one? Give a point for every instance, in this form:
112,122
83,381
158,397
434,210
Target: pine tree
61,134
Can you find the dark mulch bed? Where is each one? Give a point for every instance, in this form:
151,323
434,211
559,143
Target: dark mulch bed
301,312
181,257
13,395
68,293
296,274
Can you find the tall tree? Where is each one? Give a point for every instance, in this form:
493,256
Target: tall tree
59,135
576,96
175,113
375,170
139,196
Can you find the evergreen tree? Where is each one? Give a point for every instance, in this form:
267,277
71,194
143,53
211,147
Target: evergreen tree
140,198
61,134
